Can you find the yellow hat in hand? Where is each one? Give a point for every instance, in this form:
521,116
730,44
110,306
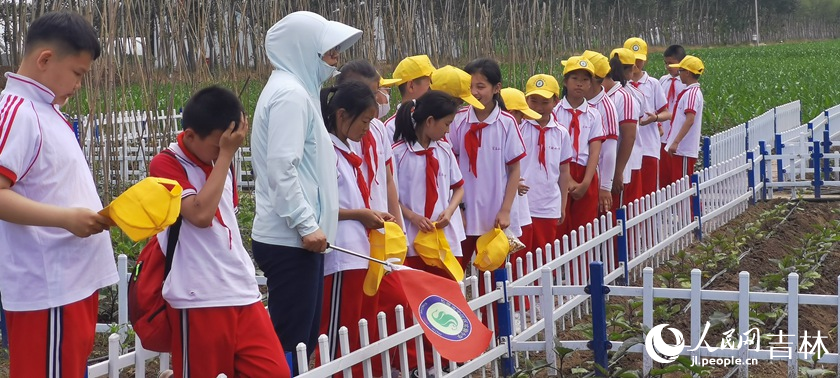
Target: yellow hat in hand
543,85
146,208
515,100
492,249
413,67
455,82
602,64
690,63
435,251
637,46
383,246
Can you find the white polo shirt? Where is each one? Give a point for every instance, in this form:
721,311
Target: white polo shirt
351,234
591,127
654,103
609,148
411,169
500,145
627,110
544,197
384,154
45,267
636,158
666,82
211,267
690,100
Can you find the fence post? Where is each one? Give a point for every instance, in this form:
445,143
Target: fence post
816,158
780,169
597,292
707,152
503,321
696,209
751,175
76,130
762,171
826,144
621,218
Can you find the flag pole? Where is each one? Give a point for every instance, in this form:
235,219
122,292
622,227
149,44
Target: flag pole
359,255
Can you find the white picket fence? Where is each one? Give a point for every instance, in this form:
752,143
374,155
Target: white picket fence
648,231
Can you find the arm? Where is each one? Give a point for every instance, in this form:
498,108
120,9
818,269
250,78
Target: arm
367,217
592,164
503,217
423,223
627,130
200,208
565,179
686,126
393,197
446,215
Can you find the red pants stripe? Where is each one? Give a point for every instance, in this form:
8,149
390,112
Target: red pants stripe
55,342
238,341
650,175
583,210
664,167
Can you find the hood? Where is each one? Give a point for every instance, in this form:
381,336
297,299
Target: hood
295,44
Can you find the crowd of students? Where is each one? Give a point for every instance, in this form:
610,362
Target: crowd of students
461,154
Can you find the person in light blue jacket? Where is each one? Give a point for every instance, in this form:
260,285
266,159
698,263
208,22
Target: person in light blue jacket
295,167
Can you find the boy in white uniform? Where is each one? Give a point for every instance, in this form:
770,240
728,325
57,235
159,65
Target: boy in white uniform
684,136
672,86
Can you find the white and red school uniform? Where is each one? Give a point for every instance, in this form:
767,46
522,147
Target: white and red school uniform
344,274
609,148
48,276
634,189
585,126
672,87
549,148
213,320
390,127
627,109
649,134
690,100
484,148
377,157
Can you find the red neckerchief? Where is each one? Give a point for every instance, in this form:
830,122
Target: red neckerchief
574,129
541,143
675,108
472,141
371,156
356,162
432,168
673,90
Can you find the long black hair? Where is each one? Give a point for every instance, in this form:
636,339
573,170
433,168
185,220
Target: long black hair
491,70
354,96
617,70
413,114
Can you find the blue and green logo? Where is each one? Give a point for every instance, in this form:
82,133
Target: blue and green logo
444,318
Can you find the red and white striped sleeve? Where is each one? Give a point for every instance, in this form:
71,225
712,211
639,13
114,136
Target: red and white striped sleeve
20,137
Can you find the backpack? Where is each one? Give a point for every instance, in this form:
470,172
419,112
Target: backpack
146,306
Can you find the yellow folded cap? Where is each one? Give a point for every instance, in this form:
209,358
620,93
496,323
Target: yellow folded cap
455,82
690,63
577,63
624,55
542,85
435,251
637,46
492,249
515,100
391,244
602,64
413,67
146,208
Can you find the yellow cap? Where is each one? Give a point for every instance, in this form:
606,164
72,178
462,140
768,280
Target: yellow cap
456,82
637,46
690,63
491,250
624,55
146,208
577,63
515,100
413,67
391,244
542,85
434,249
383,82
602,64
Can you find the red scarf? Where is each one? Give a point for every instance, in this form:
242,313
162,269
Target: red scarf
371,156
432,168
673,90
675,108
541,144
574,129
356,162
635,84
472,141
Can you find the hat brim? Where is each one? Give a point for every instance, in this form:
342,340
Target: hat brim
530,113
383,82
542,93
640,56
339,35
470,99
579,68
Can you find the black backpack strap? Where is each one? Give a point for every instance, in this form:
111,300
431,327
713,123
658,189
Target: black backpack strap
174,230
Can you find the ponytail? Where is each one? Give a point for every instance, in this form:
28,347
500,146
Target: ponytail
404,123
617,70
412,115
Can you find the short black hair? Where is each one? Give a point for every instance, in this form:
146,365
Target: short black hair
68,31
357,70
674,51
210,109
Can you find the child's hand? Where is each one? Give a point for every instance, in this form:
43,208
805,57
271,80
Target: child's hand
85,222
604,200
577,190
423,223
443,219
651,117
232,139
618,186
370,219
523,189
503,219
672,148
562,219
387,217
